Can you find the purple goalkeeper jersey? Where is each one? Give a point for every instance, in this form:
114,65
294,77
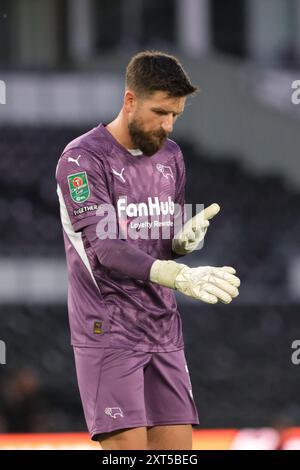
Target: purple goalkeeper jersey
108,308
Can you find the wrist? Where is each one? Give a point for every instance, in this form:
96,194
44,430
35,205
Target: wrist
165,272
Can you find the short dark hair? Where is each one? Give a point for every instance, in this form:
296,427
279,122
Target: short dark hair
151,71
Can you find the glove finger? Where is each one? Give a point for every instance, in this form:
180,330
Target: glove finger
198,237
207,298
191,236
210,211
222,274
200,221
192,246
229,269
219,293
226,286
200,224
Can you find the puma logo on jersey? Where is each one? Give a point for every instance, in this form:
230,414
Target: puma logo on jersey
166,171
75,160
119,174
114,412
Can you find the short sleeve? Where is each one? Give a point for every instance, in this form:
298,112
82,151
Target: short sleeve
180,214
181,180
82,187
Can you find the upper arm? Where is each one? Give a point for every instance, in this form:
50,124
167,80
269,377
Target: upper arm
180,190
181,179
82,187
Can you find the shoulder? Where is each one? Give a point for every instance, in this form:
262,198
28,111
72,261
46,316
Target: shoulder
85,153
173,147
91,142
175,153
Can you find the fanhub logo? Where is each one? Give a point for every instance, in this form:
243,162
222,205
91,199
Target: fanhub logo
2,92
151,220
2,352
154,207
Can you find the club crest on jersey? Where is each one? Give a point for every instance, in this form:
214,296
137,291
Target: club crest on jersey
166,171
114,412
79,186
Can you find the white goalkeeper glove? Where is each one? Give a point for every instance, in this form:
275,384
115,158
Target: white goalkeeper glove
194,230
204,283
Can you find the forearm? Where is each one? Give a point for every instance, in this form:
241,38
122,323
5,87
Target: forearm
203,283
119,255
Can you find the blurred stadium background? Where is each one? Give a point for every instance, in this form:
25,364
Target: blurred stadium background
63,63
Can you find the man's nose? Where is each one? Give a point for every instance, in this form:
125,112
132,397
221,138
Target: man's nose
167,124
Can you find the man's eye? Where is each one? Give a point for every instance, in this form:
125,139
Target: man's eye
163,113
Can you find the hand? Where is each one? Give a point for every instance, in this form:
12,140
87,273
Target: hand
208,284
205,283
193,231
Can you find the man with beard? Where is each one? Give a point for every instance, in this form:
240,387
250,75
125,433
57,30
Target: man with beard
125,326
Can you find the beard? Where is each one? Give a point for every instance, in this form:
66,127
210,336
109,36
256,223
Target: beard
148,142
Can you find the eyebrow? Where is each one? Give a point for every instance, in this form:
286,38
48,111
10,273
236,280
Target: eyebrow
161,110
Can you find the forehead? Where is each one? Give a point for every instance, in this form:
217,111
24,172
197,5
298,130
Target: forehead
162,100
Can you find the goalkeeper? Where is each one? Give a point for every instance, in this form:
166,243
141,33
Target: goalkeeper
125,326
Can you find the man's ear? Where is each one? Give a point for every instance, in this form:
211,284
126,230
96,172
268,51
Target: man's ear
130,101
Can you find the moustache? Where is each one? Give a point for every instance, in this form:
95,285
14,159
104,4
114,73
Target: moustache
160,135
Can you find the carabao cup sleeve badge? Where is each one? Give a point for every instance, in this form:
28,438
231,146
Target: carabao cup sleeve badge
79,186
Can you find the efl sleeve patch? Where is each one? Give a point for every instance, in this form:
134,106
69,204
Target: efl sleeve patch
79,187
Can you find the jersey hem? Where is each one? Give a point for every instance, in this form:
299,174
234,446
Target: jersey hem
129,348
193,422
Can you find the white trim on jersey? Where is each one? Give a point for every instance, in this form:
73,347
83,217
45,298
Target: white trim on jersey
135,151
75,238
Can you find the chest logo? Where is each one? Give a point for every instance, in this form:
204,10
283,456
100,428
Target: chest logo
166,171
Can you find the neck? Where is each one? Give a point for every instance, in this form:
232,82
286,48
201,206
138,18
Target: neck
119,130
